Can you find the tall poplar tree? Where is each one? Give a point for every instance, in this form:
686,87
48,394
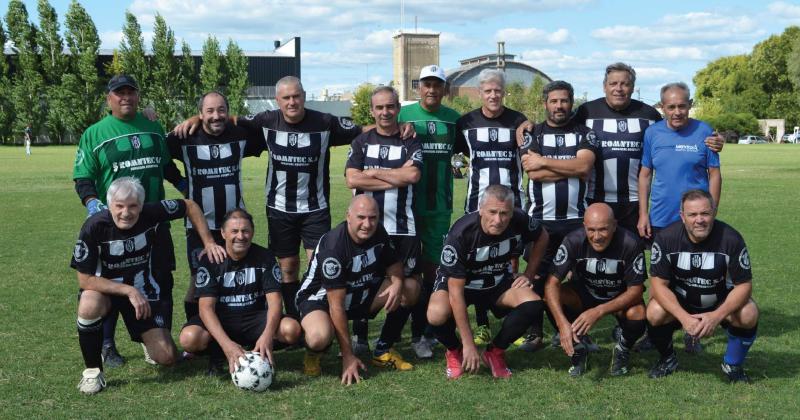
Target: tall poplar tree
82,83
132,54
211,69
163,89
236,69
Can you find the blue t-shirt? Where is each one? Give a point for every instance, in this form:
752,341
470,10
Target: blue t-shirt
680,160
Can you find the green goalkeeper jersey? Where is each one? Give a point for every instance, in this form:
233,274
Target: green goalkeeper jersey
436,131
113,148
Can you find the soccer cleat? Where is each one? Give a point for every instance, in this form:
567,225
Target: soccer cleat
311,366
422,349
735,373
664,366
495,359
391,360
454,360
579,360
216,366
360,348
92,381
482,335
531,343
692,344
187,356
644,344
616,333
591,346
149,360
620,358
111,357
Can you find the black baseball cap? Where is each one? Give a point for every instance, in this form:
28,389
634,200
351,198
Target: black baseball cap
121,80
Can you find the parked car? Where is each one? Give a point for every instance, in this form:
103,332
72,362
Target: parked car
788,138
751,139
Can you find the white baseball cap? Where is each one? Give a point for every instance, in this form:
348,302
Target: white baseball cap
432,71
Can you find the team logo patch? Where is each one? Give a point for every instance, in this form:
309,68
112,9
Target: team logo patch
159,321
417,155
449,256
293,139
527,140
331,268
79,157
638,264
384,152
202,278
601,265
697,260
130,245
431,127
560,141
533,224
591,138
493,252
135,142
744,259
346,123
239,278
493,134
655,254
81,251
622,126
276,273
561,255
215,151
411,263
171,206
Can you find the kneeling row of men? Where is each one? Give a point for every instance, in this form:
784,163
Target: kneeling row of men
700,278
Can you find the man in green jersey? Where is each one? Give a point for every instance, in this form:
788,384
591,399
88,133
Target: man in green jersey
125,143
435,125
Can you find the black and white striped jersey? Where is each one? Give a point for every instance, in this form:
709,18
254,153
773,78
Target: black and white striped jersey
125,256
492,149
700,275
484,260
298,179
564,199
621,135
340,263
603,275
212,165
371,150
239,286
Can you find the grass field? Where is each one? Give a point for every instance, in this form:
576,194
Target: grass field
40,361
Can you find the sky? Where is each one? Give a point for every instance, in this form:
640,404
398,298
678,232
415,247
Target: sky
346,42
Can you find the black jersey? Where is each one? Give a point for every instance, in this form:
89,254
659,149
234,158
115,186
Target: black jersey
604,275
564,199
371,150
485,260
239,286
493,154
124,256
621,135
212,165
340,263
701,274
297,177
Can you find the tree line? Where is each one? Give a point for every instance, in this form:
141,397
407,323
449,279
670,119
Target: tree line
57,84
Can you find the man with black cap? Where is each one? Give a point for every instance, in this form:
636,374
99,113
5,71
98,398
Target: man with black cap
125,143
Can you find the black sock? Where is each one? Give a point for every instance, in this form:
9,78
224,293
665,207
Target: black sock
481,315
289,291
392,329
661,337
110,326
419,313
191,309
517,321
631,331
361,330
90,338
446,334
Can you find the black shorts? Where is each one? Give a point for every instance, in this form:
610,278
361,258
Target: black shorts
408,251
245,328
483,298
556,230
358,310
286,230
194,246
163,249
160,315
627,214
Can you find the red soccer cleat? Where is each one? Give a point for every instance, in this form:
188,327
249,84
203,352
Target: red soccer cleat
496,361
454,359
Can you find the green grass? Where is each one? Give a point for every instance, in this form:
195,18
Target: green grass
40,361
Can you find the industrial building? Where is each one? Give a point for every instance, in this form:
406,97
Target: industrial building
411,52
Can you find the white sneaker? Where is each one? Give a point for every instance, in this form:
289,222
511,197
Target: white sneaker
423,349
92,381
147,357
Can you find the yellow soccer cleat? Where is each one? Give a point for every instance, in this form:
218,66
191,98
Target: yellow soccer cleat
482,335
311,365
392,360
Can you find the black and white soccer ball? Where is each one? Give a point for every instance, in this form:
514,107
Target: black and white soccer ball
253,373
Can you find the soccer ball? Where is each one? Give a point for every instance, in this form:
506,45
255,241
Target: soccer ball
253,373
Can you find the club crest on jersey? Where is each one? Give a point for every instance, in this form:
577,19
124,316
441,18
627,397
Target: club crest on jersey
239,278
592,139
135,142
560,141
130,245
293,139
431,127
533,224
384,153
331,268
202,278
622,126
81,251
638,264
411,263
697,260
601,265
744,259
276,273
417,155
79,157
493,134
655,254
215,151
527,140
171,206
159,321
346,123
449,256
561,255
493,252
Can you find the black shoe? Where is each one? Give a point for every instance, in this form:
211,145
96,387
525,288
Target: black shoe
580,360
665,366
644,344
735,373
591,346
532,343
111,357
619,360
692,344
215,367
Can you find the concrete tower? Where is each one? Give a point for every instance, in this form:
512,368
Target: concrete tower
411,53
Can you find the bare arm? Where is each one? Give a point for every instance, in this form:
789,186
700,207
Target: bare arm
736,299
357,179
552,296
715,184
216,253
579,167
645,176
666,298
398,177
535,254
231,348
350,363
265,341
455,287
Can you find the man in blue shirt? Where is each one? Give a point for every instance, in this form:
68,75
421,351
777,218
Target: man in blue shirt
675,150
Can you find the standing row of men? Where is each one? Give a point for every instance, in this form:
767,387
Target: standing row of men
348,264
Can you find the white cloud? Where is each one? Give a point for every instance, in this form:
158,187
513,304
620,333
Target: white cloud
532,36
661,54
784,10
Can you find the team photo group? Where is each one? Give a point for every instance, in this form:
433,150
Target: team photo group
558,217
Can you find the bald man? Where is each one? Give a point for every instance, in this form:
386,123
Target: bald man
353,273
608,274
